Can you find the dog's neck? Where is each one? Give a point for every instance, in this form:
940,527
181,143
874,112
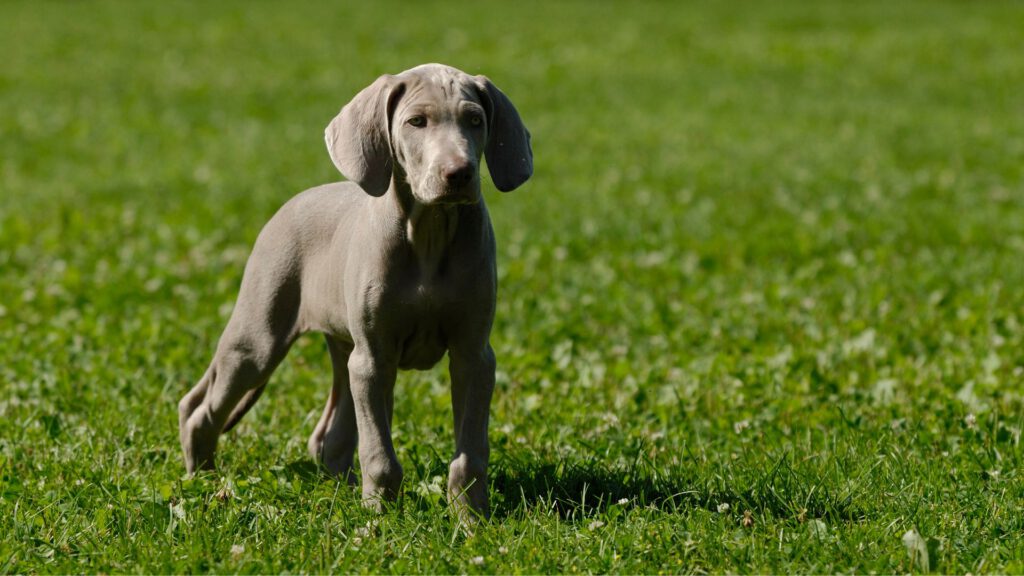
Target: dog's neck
428,230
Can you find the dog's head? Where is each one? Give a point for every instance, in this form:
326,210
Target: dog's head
428,127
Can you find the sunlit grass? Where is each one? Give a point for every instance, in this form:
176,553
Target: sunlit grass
760,306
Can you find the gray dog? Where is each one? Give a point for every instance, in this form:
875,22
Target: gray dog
395,268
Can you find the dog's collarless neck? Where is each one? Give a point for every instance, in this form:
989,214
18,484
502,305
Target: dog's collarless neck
427,231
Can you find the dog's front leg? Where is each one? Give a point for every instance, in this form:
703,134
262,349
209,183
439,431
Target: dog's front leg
372,381
472,374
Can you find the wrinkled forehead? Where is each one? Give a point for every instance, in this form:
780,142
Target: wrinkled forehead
438,85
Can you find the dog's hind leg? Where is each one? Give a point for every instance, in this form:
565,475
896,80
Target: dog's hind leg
192,400
243,407
259,334
335,438
240,367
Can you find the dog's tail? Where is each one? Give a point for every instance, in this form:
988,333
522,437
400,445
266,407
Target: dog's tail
243,406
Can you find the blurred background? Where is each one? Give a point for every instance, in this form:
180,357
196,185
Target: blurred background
756,233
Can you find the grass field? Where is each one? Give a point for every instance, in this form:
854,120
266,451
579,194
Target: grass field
760,306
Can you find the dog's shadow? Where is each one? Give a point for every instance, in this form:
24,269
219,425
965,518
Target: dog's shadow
566,488
305,470
584,489
590,488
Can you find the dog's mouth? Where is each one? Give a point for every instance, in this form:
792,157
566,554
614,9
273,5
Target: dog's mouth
451,196
457,198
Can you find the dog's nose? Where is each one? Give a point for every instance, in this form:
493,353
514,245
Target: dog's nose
458,173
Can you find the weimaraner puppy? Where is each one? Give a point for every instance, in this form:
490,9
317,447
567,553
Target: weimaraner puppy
395,268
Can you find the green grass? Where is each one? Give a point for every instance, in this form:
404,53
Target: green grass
771,258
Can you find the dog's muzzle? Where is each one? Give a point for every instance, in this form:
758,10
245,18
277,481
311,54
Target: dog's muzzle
458,183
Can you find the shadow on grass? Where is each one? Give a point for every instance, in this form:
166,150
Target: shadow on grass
590,488
306,469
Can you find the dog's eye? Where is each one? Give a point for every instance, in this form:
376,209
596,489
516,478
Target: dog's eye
417,121
475,120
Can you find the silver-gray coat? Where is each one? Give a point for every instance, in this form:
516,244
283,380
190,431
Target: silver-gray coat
395,268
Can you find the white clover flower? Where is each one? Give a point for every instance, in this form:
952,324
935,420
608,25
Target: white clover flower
178,510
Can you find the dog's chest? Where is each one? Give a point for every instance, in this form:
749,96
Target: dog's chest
421,312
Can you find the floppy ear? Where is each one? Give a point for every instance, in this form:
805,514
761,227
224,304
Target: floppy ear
508,152
359,137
